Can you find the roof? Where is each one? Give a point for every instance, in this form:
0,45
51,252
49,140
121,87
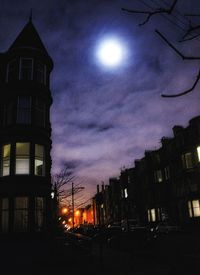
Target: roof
29,38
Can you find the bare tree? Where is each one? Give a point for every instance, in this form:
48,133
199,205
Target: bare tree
65,187
59,183
189,33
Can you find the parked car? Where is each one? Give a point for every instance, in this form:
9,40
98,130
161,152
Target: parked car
106,233
129,224
137,238
166,227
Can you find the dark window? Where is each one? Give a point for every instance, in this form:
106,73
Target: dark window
187,160
21,214
12,71
39,213
24,110
39,112
40,73
26,69
4,214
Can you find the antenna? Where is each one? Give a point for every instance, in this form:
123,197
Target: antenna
31,15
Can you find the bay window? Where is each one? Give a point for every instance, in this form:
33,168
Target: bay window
39,213
39,160
12,70
26,69
39,113
4,214
5,160
24,110
21,214
22,165
40,73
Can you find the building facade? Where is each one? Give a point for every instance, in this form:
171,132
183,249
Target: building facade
25,134
164,185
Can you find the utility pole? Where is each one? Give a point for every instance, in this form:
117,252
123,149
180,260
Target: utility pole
73,205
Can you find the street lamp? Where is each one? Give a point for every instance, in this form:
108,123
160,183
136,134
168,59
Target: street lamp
64,210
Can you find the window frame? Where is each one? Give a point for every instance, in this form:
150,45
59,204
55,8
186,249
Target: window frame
2,160
8,70
23,226
187,160
21,67
24,110
23,157
42,158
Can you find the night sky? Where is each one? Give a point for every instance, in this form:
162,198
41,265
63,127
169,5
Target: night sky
105,118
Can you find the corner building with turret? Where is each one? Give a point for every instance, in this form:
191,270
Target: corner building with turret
25,135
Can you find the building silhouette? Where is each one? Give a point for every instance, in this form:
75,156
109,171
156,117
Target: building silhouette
164,185
25,135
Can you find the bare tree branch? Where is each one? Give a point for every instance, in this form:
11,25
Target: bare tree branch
192,15
59,181
190,38
175,49
151,13
187,91
189,32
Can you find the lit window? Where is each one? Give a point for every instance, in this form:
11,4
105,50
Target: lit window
125,193
158,176
149,215
6,160
12,70
39,160
4,215
152,215
22,158
39,213
187,160
26,69
194,208
21,214
24,110
198,153
39,113
40,73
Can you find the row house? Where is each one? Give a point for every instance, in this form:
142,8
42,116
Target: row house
163,185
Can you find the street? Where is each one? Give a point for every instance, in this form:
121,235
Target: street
172,254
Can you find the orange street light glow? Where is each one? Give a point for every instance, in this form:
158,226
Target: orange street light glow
77,213
64,210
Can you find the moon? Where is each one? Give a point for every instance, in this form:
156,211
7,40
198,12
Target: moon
110,52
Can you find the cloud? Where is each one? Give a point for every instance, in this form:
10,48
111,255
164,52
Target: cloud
103,120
